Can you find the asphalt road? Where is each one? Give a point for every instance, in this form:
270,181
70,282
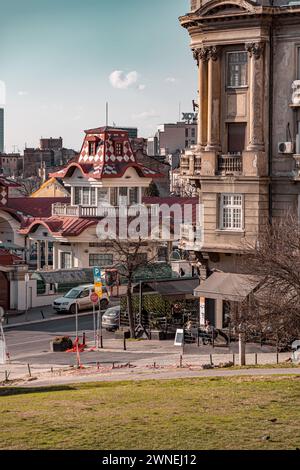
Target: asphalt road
31,343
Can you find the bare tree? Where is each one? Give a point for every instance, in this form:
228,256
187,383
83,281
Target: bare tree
29,186
130,258
274,308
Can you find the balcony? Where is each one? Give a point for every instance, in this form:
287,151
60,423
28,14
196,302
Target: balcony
191,165
67,210
230,164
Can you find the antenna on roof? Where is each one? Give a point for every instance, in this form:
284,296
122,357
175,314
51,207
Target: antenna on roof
106,114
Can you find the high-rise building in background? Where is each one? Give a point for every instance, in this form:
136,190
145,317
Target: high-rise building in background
1,130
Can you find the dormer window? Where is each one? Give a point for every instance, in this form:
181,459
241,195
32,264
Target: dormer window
119,149
92,148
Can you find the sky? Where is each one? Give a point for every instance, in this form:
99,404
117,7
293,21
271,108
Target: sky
61,60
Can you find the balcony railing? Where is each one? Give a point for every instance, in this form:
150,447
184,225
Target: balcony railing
230,164
66,210
191,165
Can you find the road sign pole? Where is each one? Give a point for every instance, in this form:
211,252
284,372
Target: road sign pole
2,337
94,322
76,319
100,320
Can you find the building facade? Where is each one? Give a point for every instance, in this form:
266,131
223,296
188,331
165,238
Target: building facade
246,163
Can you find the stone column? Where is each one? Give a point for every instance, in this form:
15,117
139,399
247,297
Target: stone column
27,250
39,255
201,55
55,257
214,100
256,83
46,254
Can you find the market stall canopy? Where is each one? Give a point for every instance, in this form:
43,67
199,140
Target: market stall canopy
82,276
171,287
228,286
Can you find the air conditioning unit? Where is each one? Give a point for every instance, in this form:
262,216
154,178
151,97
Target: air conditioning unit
286,147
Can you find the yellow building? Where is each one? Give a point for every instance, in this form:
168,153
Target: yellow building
51,188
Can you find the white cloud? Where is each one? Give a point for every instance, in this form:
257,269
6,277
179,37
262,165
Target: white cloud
170,80
146,115
141,87
120,80
23,93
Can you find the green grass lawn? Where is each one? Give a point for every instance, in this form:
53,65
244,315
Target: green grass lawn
197,414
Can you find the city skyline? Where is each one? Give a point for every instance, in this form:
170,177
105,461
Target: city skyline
60,70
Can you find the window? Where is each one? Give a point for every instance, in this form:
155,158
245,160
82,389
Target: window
123,196
114,197
133,196
92,148
186,132
102,196
237,65
236,137
231,212
118,149
298,63
93,196
193,133
66,260
85,196
139,258
101,260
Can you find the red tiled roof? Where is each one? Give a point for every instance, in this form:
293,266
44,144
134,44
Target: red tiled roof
64,226
8,259
35,207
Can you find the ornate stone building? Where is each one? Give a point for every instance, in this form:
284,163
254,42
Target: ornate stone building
246,164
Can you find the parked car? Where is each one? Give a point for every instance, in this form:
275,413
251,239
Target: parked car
80,295
111,318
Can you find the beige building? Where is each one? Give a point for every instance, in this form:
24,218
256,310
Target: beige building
246,164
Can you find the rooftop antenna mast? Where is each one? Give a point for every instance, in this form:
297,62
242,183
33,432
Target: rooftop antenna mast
106,113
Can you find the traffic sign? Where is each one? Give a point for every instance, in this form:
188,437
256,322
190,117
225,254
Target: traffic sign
94,298
98,276
98,289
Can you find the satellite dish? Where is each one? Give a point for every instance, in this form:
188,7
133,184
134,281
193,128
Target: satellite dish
2,312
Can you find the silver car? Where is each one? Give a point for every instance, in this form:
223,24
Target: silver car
111,318
81,296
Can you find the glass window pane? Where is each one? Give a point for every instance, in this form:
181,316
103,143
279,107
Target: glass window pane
77,200
101,260
93,196
85,196
237,63
102,195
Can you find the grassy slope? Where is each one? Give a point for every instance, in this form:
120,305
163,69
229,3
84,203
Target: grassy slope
194,414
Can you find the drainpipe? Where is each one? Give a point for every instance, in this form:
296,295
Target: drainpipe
271,96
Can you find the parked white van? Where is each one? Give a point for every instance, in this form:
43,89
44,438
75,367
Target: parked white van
80,295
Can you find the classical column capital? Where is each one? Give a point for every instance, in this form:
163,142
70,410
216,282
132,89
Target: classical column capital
200,54
213,52
255,49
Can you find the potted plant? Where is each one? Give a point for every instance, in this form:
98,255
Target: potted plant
61,344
